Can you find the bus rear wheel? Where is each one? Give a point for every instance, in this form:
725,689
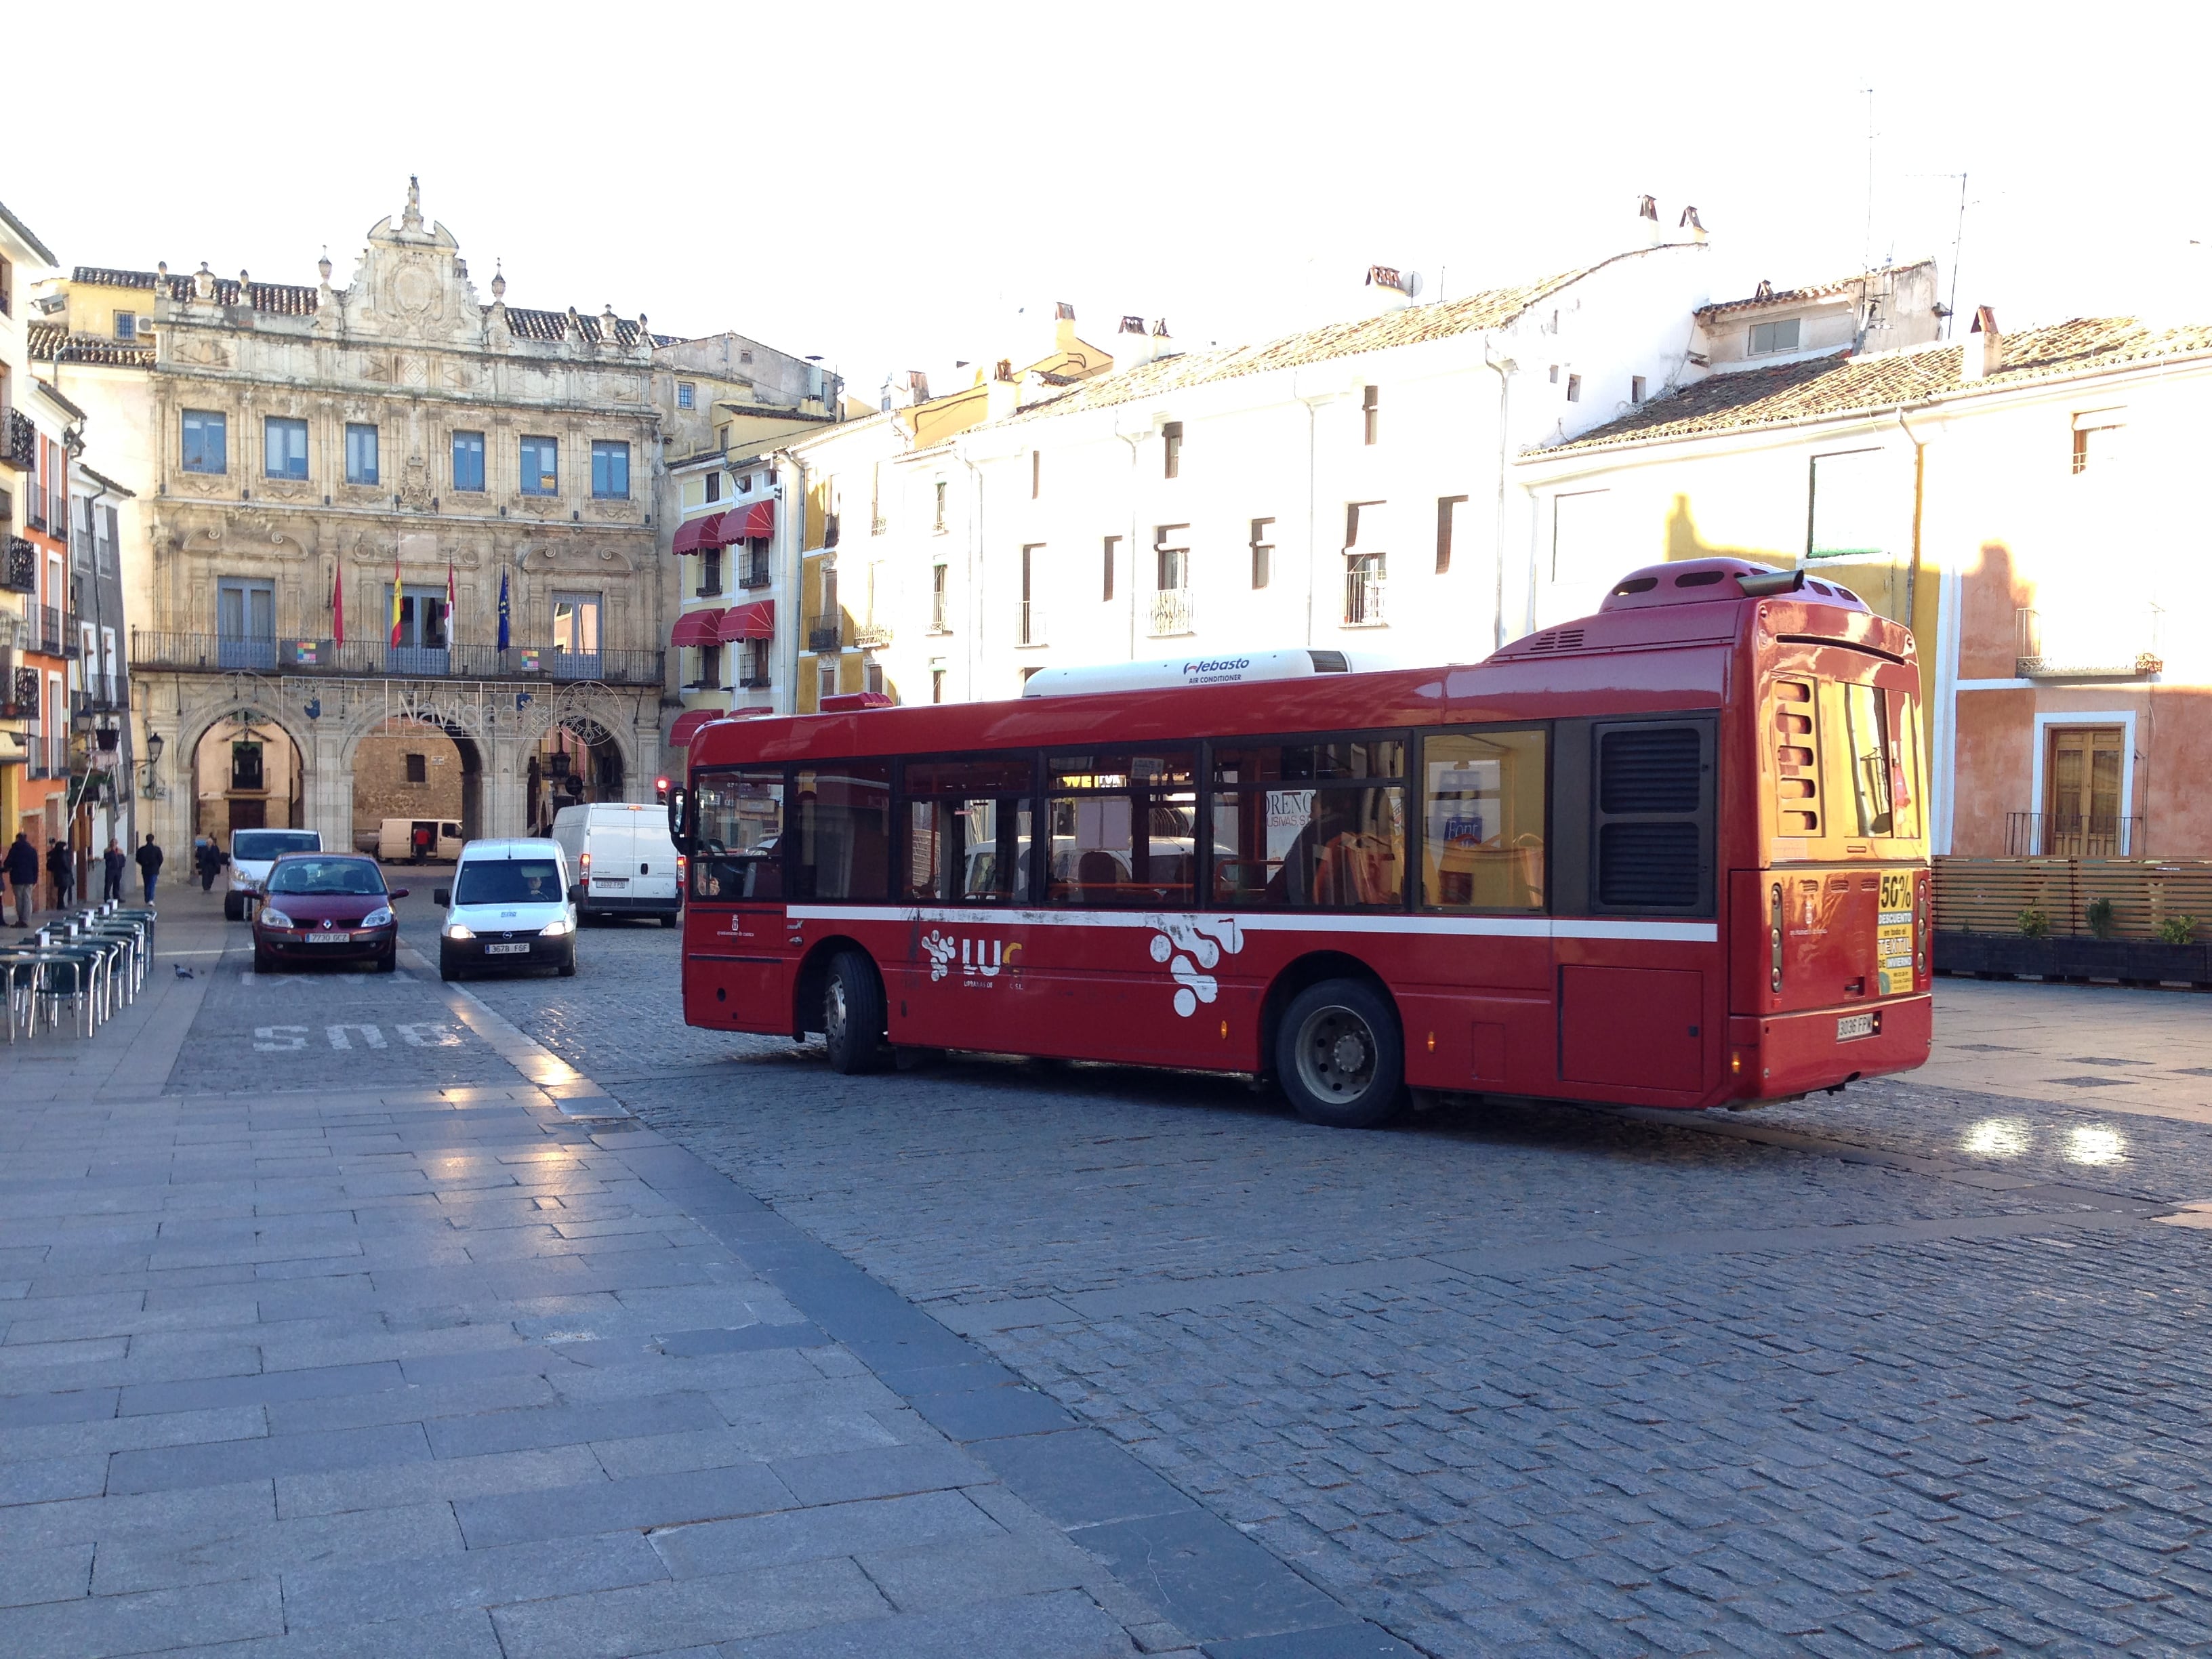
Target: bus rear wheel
1338,1055
852,1014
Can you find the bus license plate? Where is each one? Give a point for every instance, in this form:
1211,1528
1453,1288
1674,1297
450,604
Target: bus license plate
507,950
328,939
1847,1025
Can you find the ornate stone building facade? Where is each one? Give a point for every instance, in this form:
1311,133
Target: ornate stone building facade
393,512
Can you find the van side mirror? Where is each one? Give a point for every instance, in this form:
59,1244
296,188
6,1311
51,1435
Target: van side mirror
441,896
575,892
679,812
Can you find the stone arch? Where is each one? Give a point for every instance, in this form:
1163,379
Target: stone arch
473,751
199,716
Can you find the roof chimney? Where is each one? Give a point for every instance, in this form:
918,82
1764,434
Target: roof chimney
1063,326
1647,219
1001,392
1695,226
1131,345
1984,353
1388,290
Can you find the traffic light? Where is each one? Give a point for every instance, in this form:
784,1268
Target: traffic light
660,789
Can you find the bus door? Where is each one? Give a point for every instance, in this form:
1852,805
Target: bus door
737,952
1642,993
963,979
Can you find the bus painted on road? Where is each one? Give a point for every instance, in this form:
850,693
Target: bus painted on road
1671,855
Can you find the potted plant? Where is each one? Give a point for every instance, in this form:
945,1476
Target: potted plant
2174,955
2099,956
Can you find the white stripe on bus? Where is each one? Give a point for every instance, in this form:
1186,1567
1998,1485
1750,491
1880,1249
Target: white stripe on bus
1678,932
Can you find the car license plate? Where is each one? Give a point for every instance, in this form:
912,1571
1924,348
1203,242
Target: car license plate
610,881
329,939
507,950
1847,1025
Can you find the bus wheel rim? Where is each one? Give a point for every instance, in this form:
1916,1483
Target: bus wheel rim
1336,1052
836,1019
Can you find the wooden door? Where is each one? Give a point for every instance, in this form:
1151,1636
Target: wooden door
2081,808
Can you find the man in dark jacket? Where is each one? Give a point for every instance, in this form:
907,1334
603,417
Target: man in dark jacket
113,863
21,869
61,865
149,864
210,857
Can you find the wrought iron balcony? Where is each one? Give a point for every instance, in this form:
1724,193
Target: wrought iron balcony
19,441
50,630
101,700
2069,834
23,703
824,638
1172,613
372,659
1363,599
754,572
871,635
1032,622
753,682
19,566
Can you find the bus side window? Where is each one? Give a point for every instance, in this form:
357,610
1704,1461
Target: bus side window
968,828
1904,763
739,852
1482,802
1310,826
1796,759
844,831
1123,826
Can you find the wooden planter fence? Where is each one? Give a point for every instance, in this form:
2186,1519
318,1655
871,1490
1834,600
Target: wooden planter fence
1978,903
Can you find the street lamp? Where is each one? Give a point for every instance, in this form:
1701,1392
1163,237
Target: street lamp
147,785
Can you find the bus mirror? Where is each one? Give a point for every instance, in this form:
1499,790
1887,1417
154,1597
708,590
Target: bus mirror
441,897
679,807
1767,584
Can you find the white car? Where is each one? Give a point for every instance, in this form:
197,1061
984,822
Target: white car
624,861
251,852
510,906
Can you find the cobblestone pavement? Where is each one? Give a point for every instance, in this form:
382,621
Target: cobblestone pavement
1912,1367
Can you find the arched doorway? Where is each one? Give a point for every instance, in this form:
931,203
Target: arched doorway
247,773
578,762
418,769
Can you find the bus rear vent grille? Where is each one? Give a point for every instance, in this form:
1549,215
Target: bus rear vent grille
1559,638
1651,770
1648,866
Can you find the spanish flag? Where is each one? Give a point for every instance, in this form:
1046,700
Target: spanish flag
395,600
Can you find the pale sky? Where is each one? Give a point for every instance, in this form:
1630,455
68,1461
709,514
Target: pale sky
885,185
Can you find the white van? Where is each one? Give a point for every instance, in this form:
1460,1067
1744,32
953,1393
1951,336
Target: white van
251,852
510,906
395,839
624,860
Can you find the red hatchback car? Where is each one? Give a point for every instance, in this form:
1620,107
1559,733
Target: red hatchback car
325,907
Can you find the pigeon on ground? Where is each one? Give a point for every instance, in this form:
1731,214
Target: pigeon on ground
183,972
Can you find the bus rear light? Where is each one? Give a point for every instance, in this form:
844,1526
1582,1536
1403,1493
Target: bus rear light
1774,932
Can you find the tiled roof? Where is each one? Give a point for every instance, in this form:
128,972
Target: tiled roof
51,342
30,239
1415,325
1827,387
1788,296
284,298
553,325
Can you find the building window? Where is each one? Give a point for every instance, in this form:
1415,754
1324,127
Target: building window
418,769
1032,617
1037,473
825,681
1171,450
1852,509
1555,374
1636,388
938,625
469,462
1769,338
757,663
939,525
937,686
1448,508
361,453
610,470
687,395
744,356
710,668
1574,388
7,289
2097,439
745,481
713,486
126,324
207,447
1113,553
872,676
722,438
284,444
576,625
1371,412
1263,551
1171,557
541,466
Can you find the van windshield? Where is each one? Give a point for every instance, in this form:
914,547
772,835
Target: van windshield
254,844
509,881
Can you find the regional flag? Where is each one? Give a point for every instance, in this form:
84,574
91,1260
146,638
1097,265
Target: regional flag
503,607
395,600
337,607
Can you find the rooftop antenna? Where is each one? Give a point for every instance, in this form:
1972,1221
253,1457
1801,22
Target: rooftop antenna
1958,242
1866,243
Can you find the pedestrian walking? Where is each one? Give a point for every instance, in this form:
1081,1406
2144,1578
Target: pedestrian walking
61,866
21,869
112,865
149,864
210,857
421,841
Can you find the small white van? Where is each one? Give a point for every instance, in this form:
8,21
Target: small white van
395,839
510,906
623,858
251,852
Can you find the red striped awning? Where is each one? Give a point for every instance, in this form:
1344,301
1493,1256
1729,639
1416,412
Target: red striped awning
697,626
694,534
760,521
756,621
688,724
845,701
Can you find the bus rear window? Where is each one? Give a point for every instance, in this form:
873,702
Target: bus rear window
1866,726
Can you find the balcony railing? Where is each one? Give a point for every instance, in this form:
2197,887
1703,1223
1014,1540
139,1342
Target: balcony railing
753,573
938,609
218,654
1032,622
50,630
1363,599
871,635
752,682
101,700
19,441
19,566
22,698
2069,834
822,638
1172,613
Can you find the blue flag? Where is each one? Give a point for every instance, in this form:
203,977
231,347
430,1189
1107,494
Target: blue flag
503,607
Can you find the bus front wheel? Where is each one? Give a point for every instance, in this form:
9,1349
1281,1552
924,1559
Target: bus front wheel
1338,1055
852,1014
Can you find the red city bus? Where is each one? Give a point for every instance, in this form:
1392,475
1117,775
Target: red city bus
1671,855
